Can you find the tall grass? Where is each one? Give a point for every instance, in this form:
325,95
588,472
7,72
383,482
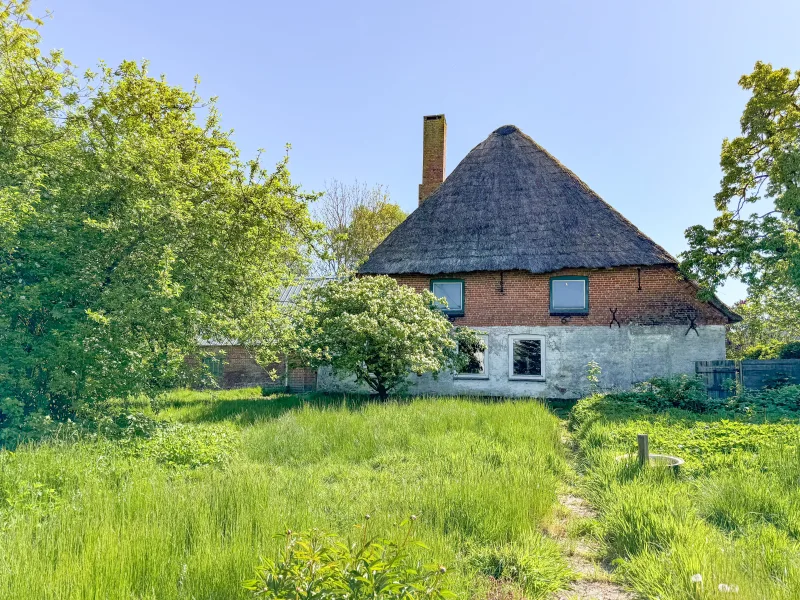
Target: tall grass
732,518
132,520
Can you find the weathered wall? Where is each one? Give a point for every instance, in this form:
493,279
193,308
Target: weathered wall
627,355
523,298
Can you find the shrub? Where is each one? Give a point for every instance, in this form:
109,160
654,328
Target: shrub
680,391
316,565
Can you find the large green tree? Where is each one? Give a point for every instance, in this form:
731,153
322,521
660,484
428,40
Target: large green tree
756,236
357,218
129,228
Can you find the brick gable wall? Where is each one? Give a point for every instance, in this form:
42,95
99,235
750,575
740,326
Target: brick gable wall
665,298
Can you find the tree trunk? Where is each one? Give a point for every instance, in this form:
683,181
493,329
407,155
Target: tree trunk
383,393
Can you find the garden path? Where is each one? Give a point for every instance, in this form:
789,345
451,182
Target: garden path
595,578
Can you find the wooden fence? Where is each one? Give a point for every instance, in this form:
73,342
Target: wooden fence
722,376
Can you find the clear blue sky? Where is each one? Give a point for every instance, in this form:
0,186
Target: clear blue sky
635,97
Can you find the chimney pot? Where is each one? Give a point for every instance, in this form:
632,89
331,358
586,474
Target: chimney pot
434,151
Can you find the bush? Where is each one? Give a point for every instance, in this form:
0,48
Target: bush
378,331
318,565
681,391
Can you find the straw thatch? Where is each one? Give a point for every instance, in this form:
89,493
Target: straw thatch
511,205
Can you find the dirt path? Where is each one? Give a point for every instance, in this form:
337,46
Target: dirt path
573,518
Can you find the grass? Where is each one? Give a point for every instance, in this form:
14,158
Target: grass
188,511
732,517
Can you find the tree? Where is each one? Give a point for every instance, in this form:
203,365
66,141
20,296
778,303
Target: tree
381,332
144,229
357,218
761,170
769,321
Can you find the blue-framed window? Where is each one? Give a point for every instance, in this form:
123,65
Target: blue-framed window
569,295
452,291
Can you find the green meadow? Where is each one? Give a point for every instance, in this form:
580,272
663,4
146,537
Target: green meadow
188,510
727,526
208,483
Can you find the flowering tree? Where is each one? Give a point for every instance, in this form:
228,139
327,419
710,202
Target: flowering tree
380,331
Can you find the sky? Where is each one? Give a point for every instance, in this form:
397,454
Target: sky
634,97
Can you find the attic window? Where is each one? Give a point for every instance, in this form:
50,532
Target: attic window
569,295
452,291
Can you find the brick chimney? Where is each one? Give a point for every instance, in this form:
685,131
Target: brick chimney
434,150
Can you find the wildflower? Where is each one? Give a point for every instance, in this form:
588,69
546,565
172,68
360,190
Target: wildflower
442,569
413,517
697,578
366,517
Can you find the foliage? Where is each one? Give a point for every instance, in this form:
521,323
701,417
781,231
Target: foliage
133,518
379,331
761,170
140,229
593,373
728,523
776,350
316,565
357,218
38,92
681,391
769,320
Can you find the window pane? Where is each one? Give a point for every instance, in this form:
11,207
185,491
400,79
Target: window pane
450,291
214,365
528,357
476,364
569,293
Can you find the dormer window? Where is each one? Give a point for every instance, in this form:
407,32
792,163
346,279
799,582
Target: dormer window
452,291
569,295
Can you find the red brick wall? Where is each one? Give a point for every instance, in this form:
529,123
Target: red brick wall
664,299
302,379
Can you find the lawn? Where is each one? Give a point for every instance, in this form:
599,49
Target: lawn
727,527
187,510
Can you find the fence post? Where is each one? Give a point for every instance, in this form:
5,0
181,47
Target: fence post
644,448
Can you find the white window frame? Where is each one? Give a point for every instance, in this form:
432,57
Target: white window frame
485,375
524,336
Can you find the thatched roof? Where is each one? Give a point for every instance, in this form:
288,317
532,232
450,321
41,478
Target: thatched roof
510,205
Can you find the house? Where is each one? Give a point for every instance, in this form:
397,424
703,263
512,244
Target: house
551,275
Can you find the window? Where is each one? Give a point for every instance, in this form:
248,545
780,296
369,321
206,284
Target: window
476,368
526,357
214,365
452,290
569,295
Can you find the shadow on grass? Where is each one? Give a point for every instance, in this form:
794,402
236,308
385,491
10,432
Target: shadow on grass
245,411
251,410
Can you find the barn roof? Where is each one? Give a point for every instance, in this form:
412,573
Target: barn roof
511,205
